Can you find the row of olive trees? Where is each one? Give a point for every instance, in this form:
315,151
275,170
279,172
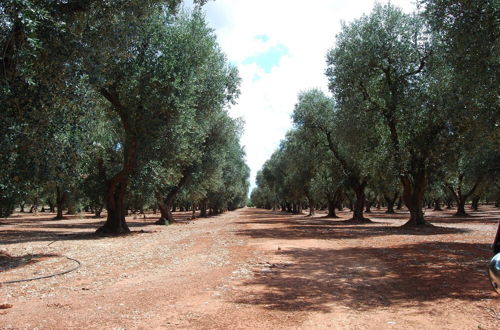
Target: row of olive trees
121,104
413,113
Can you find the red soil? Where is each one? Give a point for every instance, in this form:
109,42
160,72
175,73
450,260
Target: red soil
250,269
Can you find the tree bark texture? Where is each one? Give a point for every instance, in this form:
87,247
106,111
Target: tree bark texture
368,206
98,211
460,196
437,206
60,199
475,203
390,203
116,188
167,204
413,196
399,206
359,203
312,207
333,202
203,207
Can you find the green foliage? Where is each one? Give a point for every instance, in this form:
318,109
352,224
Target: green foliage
415,104
376,73
97,92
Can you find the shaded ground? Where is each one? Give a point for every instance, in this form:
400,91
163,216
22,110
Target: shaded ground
251,269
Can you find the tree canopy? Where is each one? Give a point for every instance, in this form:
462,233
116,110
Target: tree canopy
413,99
116,104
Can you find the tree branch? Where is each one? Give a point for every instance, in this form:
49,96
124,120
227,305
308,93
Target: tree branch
420,67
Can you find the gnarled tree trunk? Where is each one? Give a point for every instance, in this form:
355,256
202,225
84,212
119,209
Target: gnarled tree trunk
475,203
312,207
359,203
437,206
390,203
368,206
165,213
413,197
193,211
399,205
60,199
167,204
116,188
98,211
203,207
331,209
333,202
52,207
460,197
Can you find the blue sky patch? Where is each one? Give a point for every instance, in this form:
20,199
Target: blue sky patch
268,59
262,37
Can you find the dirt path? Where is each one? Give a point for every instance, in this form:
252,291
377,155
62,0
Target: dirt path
251,269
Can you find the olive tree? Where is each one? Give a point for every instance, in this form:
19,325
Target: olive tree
349,141
383,67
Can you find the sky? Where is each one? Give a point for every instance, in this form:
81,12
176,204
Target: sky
279,47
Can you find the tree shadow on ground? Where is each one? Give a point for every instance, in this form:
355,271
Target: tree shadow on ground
8,237
272,217
296,227
488,214
259,216
479,217
25,229
8,262
344,232
368,278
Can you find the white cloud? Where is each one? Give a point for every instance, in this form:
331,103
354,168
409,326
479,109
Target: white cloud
307,29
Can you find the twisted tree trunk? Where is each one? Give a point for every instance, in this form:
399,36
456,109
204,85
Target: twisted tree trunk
390,203
333,201
437,206
312,207
368,206
116,188
203,207
399,206
475,203
166,205
98,211
359,203
413,196
460,196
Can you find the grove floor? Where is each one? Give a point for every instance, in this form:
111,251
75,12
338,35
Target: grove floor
250,269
